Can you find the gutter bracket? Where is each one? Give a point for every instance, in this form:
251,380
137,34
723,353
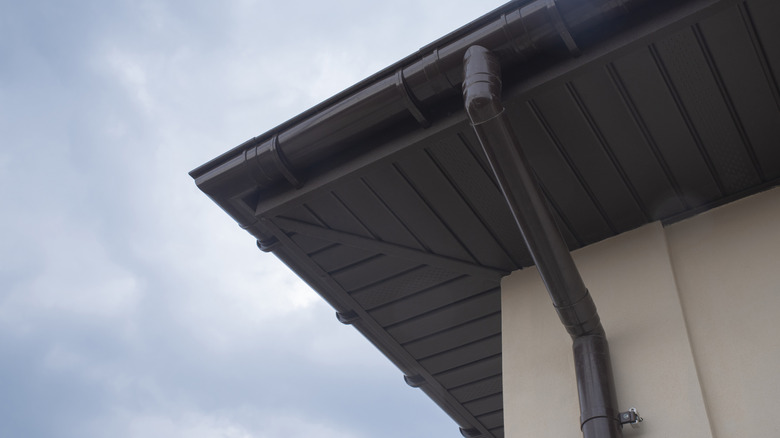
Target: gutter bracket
348,317
409,102
470,433
414,381
555,16
268,245
281,163
512,38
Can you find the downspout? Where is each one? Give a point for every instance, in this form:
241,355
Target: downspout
575,307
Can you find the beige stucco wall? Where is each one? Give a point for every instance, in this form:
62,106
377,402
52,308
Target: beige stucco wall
691,312
727,265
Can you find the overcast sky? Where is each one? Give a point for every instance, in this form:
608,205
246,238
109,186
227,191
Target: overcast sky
130,304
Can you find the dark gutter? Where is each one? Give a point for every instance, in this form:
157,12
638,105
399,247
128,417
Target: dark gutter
599,415
406,96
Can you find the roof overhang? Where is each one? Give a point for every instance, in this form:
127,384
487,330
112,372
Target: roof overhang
382,200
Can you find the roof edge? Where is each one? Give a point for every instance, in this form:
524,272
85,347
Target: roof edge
409,91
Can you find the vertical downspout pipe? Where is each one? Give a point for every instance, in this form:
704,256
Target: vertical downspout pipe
575,307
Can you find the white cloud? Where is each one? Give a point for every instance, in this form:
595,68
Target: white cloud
74,275
132,76
187,425
224,424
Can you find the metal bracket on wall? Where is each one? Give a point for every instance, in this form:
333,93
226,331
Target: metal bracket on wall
631,417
